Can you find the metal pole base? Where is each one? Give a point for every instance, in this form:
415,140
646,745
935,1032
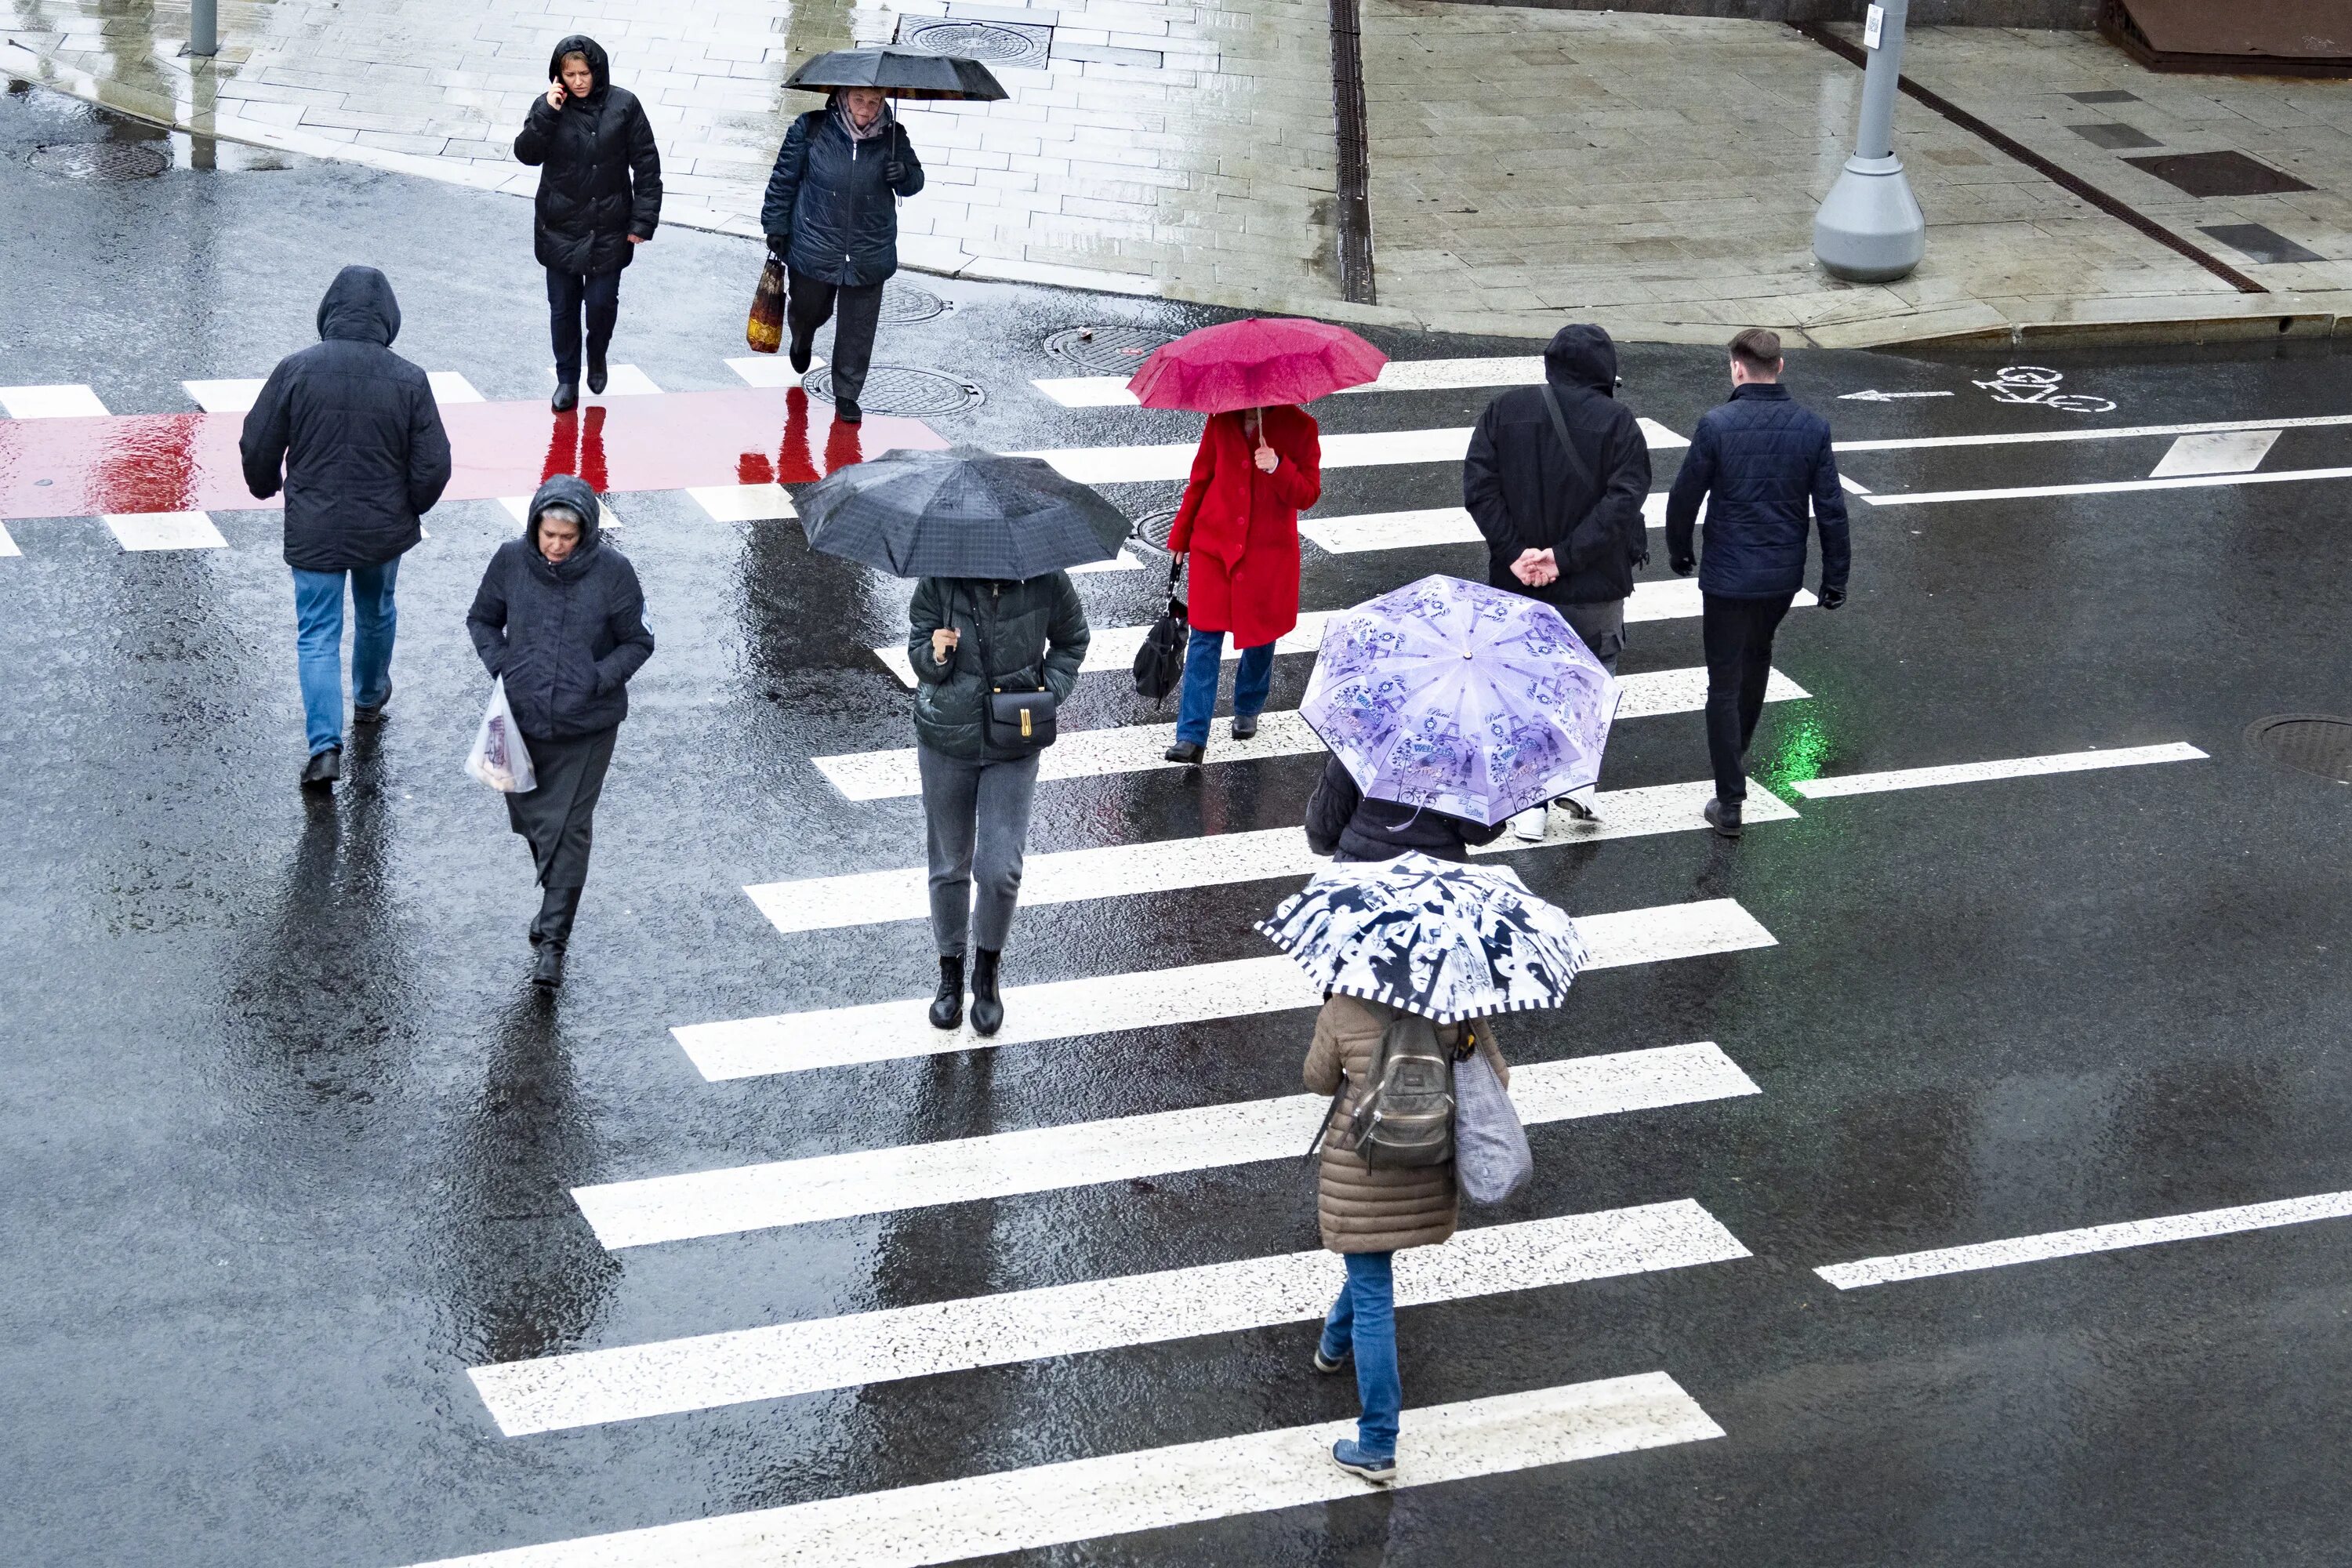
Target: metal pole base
1870,230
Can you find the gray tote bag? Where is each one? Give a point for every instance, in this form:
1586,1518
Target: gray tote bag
1491,1157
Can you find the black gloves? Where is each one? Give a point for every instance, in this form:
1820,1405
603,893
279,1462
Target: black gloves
778,244
894,173
1831,597
1684,566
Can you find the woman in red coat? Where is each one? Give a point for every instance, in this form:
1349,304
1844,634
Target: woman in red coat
1256,470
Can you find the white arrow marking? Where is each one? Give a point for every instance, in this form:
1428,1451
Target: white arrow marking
1877,396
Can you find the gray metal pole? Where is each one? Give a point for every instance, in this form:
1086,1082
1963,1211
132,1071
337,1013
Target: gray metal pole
204,28
1870,228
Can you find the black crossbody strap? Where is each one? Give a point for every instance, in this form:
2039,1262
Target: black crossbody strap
1560,428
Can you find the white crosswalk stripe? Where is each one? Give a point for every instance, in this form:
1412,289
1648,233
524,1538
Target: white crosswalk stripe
1151,1489
7,542
1419,529
1069,875
2008,768
770,370
779,1360
165,531
238,394
1397,375
743,503
66,401
1048,1159
1353,450
518,507
620,381
1184,994
1142,748
1114,647
2109,487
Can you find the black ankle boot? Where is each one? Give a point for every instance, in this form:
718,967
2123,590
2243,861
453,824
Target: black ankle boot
987,1008
946,1007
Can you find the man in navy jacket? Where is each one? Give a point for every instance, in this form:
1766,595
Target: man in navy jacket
1766,460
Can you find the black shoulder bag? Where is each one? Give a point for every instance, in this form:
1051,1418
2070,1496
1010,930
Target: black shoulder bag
1159,662
1012,718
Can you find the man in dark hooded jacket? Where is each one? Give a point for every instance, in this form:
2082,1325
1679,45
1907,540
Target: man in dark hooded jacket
1555,479
559,618
600,195
351,432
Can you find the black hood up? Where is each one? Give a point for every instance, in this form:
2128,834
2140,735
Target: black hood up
582,44
1582,355
571,492
358,306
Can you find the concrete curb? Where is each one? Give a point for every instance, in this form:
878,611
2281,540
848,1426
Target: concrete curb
2161,322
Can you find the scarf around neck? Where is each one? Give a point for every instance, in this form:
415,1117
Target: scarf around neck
881,125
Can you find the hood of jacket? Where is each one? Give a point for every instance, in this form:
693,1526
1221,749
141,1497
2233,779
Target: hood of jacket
1582,355
599,66
358,305
571,493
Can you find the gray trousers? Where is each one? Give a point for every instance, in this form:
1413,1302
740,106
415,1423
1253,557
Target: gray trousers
976,818
1602,625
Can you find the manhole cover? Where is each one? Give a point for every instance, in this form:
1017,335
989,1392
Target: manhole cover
1016,44
2310,742
103,160
897,389
902,303
1105,351
1152,527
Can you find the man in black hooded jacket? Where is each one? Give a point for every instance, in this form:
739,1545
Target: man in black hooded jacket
351,431
600,195
1563,522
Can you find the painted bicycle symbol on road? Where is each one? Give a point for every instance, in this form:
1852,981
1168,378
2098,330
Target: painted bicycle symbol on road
2037,383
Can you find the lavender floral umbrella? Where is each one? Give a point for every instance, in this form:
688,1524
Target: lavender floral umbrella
1461,697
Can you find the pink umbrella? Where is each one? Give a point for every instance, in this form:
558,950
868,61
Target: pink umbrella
1255,363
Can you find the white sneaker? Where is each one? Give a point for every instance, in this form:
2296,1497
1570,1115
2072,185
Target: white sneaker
1532,823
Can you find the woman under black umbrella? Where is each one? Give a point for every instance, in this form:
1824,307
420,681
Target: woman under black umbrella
561,619
600,197
832,215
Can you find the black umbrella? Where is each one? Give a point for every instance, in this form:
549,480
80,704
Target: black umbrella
963,512
902,73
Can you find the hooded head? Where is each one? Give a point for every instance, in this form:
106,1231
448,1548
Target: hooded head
572,494
587,48
358,305
1583,356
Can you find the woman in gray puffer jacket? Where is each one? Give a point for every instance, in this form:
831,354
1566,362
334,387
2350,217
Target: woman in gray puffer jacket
976,800
561,619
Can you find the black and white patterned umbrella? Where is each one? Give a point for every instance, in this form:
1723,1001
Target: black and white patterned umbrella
1428,936
963,512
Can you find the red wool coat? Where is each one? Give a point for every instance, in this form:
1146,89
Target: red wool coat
1241,526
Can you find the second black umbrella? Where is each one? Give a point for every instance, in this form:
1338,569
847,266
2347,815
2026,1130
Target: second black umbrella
963,512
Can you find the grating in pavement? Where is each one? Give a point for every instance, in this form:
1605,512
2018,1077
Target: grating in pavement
1017,45
2309,742
103,160
901,389
1105,351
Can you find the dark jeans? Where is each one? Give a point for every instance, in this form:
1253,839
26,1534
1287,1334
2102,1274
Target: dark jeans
568,295
1739,637
811,305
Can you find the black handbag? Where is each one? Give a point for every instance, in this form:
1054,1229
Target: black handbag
1018,718
1159,662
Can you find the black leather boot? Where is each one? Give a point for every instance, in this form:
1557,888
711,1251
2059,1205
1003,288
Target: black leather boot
596,370
946,1007
566,399
987,1008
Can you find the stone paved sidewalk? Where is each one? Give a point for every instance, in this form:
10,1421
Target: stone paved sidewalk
1657,173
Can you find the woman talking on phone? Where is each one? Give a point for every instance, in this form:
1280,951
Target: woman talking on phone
600,195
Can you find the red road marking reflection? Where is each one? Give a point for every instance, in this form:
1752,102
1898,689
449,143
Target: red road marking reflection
188,462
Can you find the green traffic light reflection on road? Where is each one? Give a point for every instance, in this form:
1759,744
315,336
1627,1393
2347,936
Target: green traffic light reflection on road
1802,750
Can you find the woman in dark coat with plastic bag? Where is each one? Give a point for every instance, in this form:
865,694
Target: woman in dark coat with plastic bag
965,636
559,618
832,215
600,195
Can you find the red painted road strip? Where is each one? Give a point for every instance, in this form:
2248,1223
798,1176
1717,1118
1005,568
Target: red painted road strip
669,441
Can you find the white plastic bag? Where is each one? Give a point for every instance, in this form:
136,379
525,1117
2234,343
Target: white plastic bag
1491,1157
500,759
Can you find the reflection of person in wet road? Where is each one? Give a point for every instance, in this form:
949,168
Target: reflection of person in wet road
966,637
600,195
561,619
350,430
1238,532
832,215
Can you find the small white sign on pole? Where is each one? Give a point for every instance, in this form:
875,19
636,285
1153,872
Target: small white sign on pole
1873,25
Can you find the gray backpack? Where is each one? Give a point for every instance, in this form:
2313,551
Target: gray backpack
1405,1117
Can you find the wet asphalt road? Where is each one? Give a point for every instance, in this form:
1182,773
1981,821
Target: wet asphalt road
290,1143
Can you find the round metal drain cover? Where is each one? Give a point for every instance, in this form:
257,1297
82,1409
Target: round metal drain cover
2309,742
103,160
902,303
897,389
1105,351
998,45
1152,527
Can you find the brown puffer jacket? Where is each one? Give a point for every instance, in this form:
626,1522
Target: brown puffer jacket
1361,1209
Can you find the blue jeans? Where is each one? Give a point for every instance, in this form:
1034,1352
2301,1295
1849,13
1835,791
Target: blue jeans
1364,1319
318,644
1198,702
